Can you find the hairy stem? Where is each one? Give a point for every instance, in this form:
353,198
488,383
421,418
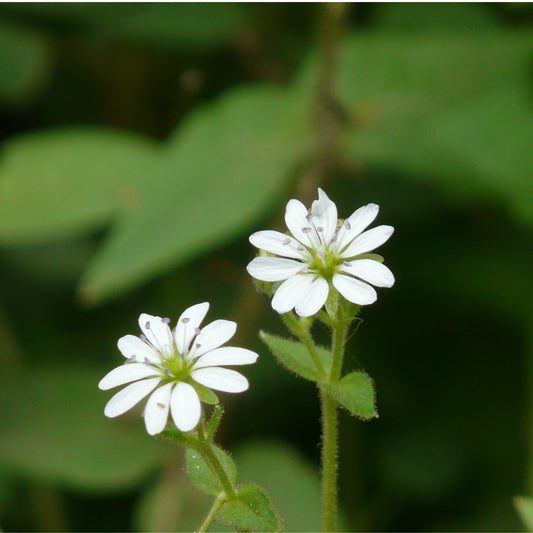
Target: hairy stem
220,499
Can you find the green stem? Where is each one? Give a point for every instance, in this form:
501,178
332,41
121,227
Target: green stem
206,449
340,332
221,498
299,331
329,458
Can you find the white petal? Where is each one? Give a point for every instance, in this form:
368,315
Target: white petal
157,332
372,271
229,355
313,300
131,346
156,410
277,243
357,222
185,407
324,216
188,322
126,374
213,336
298,224
221,379
128,397
353,290
368,241
291,291
273,268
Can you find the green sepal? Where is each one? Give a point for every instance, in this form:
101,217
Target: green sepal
205,394
214,422
524,507
202,476
178,437
332,303
250,510
374,257
294,356
356,393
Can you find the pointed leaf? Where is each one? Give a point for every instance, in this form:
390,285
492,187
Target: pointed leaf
203,476
252,510
294,355
524,506
355,392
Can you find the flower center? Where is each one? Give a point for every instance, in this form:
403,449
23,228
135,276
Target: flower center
177,368
324,262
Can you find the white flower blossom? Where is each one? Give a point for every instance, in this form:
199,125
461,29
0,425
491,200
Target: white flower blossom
172,365
320,252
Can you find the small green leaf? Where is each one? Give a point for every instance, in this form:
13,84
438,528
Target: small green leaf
205,394
203,476
355,392
252,510
294,355
524,506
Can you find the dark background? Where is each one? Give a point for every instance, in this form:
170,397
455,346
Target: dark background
143,143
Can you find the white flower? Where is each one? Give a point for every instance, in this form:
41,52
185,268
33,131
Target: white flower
320,252
169,365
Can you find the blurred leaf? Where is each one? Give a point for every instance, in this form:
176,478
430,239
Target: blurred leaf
294,356
252,510
54,184
25,62
202,475
226,166
53,428
291,480
524,507
355,392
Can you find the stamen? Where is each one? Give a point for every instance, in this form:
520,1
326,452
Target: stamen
197,331
167,372
320,229
347,264
185,319
301,248
143,337
347,225
320,253
306,230
147,361
198,345
147,325
132,359
334,238
166,320
286,241
308,216
159,404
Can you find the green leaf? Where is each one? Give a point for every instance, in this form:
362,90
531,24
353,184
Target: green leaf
355,392
524,507
25,62
294,355
54,429
203,199
55,184
252,510
202,474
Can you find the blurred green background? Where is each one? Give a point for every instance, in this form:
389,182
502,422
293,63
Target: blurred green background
142,143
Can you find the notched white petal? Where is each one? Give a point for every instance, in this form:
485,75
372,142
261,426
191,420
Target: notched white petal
277,243
357,222
213,336
324,216
291,291
221,379
126,374
353,290
188,323
157,332
156,410
185,407
273,268
131,395
313,299
131,346
371,271
368,241
298,224
228,355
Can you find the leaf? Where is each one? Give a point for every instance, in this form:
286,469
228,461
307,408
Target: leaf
55,184
53,429
294,356
355,392
203,199
25,62
524,507
252,510
203,476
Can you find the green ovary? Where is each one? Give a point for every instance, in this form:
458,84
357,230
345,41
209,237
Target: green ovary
179,368
325,266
